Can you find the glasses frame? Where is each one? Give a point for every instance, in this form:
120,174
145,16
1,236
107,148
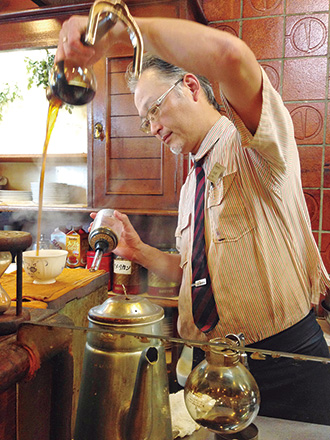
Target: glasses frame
145,124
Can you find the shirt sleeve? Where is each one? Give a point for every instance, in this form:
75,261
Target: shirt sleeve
272,149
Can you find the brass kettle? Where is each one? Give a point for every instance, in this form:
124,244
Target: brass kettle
124,391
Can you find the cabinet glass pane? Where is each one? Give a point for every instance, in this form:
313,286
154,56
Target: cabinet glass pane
23,124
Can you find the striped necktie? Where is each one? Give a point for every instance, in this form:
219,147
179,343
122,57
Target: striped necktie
203,304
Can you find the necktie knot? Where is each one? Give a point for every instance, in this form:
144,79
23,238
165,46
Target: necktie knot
199,163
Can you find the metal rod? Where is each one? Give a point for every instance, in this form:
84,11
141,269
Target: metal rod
19,283
203,345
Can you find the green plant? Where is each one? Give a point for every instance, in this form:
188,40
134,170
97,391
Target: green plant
8,94
38,73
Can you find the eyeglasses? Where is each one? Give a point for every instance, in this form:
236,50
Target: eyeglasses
154,110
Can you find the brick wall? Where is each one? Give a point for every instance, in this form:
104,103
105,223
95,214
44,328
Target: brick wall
290,39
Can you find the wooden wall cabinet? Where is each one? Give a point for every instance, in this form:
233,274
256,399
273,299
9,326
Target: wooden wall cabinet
129,170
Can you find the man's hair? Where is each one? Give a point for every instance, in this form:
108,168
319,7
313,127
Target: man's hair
169,72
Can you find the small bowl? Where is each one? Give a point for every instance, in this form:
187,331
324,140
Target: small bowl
45,267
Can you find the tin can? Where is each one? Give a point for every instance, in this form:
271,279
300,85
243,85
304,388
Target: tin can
157,286
104,265
125,273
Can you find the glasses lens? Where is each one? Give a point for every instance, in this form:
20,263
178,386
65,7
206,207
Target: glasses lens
153,112
145,126
152,115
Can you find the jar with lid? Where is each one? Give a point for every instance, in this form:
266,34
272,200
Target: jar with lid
158,286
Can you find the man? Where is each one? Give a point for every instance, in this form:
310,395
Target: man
264,267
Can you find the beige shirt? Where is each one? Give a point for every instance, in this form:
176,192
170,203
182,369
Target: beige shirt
265,267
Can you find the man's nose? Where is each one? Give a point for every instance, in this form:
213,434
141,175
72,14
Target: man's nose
155,127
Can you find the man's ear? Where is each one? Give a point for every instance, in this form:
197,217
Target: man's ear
192,83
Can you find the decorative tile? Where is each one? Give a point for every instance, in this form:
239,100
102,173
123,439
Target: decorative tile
306,35
326,170
312,197
232,27
326,210
325,250
308,121
304,78
273,70
311,166
255,31
327,135
228,10
259,8
305,6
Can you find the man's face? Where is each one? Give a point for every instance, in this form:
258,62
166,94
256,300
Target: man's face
173,125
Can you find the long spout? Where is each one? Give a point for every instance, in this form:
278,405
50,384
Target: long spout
138,423
114,10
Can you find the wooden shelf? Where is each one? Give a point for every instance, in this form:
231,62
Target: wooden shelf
53,158
57,208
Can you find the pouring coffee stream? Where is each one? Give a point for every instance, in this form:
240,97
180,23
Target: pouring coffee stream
76,85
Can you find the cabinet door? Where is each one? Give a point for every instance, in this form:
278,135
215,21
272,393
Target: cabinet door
130,170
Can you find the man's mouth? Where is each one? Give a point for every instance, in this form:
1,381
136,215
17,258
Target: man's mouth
165,138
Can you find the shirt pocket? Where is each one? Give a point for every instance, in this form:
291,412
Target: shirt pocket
227,210
182,235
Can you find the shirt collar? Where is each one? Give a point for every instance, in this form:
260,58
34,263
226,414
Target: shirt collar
208,142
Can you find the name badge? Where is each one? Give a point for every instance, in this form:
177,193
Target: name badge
216,172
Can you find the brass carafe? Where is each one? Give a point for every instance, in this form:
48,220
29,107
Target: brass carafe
76,85
124,391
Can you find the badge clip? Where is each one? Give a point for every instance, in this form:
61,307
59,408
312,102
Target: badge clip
199,283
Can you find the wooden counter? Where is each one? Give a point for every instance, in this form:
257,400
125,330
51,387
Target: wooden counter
73,305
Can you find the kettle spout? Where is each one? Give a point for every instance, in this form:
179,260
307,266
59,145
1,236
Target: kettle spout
138,422
114,10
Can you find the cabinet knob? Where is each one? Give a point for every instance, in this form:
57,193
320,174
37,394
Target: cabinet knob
98,131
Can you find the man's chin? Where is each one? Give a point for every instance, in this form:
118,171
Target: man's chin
176,149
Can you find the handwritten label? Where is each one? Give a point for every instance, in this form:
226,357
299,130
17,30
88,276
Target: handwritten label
123,267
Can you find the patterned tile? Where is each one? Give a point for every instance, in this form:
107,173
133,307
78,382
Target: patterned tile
326,210
325,250
259,8
273,69
311,166
304,78
326,170
256,31
306,35
308,121
228,10
312,197
303,6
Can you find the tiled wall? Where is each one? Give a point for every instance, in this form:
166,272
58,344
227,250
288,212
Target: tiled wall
290,39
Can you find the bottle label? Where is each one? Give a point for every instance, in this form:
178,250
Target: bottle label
123,267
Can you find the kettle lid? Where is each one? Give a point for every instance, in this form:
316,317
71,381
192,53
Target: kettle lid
126,310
